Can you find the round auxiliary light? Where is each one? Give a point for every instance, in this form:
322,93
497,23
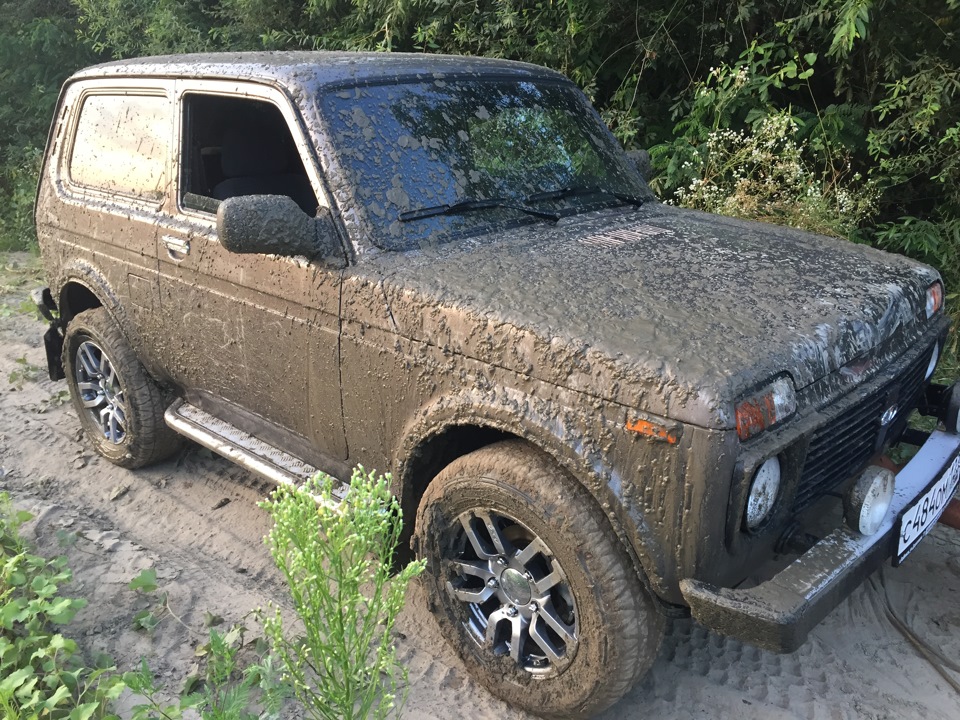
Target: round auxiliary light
933,361
763,493
866,503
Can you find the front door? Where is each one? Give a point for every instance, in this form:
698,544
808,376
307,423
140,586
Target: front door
252,338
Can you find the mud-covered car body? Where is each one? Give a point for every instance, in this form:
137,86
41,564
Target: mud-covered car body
618,338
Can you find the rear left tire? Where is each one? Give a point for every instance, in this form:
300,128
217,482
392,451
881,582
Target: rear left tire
120,406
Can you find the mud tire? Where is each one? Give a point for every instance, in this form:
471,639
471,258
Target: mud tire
620,629
147,437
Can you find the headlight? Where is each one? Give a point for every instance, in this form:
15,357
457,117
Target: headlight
766,407
934,299
763,493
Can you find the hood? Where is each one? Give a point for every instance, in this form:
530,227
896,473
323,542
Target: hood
670,311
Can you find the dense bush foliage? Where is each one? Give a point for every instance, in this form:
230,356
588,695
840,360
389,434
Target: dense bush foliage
39,48
867,92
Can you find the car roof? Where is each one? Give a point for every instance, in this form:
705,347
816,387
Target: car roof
314,68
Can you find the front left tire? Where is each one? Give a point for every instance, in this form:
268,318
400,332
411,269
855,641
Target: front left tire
531,586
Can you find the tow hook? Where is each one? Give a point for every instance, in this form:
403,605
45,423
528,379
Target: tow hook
795,541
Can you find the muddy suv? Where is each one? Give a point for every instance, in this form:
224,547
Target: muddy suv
598,410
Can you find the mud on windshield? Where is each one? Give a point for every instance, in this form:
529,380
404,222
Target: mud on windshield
474,153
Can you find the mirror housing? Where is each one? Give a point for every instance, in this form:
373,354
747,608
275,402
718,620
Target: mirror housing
641,160
276,225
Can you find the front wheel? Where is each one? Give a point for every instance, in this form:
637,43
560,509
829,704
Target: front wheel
531,586
120,406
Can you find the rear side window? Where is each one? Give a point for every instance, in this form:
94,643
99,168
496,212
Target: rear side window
122,144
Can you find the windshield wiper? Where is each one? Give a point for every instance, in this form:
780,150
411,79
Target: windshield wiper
465,206
573,190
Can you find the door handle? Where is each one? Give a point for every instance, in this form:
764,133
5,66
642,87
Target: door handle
176,245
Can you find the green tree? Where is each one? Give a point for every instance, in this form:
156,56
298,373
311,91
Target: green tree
38,50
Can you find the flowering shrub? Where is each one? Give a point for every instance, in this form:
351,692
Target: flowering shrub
762,173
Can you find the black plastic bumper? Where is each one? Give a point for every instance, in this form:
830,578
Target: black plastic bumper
779,613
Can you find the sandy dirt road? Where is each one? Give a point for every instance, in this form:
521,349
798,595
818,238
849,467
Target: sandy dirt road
195,520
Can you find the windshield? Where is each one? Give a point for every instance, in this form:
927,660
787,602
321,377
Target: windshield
409,147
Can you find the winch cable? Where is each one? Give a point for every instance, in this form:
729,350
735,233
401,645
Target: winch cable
932,655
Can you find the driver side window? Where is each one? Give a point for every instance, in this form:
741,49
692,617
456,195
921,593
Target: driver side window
238,146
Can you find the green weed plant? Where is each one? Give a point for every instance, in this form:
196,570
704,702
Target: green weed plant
337,558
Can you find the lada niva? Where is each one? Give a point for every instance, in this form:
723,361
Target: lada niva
598,410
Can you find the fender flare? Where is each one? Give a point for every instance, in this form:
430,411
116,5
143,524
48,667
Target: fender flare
89,276
539,423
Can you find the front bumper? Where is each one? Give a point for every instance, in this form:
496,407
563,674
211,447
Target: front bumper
779,613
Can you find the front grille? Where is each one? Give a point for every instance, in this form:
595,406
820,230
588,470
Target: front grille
843,445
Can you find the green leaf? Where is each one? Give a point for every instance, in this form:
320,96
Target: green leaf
84,711
190,683
14,680
233,635
145,620
64,610
810,58
146,581
59,694
115,690
13,611
42,585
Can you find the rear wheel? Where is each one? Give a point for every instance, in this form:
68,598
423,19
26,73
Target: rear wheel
120,406
531,586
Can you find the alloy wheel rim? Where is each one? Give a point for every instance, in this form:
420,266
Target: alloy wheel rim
517,598
101,393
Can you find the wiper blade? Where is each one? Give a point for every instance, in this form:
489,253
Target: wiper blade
573,190
465,206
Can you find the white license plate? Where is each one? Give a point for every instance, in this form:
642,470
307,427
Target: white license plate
923,514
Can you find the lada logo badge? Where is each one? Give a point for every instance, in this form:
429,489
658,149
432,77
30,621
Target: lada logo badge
888,415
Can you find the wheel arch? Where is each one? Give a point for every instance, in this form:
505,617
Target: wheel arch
75,297
447,430
82,286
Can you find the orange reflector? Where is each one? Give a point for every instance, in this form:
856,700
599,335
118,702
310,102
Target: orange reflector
649,429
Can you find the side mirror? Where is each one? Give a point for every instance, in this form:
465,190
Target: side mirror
641,159
275,224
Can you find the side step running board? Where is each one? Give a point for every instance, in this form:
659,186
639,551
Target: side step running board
240,447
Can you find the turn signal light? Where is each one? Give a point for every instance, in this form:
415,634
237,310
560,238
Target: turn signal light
765,408
934,299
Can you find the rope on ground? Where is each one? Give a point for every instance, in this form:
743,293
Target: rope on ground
932,655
